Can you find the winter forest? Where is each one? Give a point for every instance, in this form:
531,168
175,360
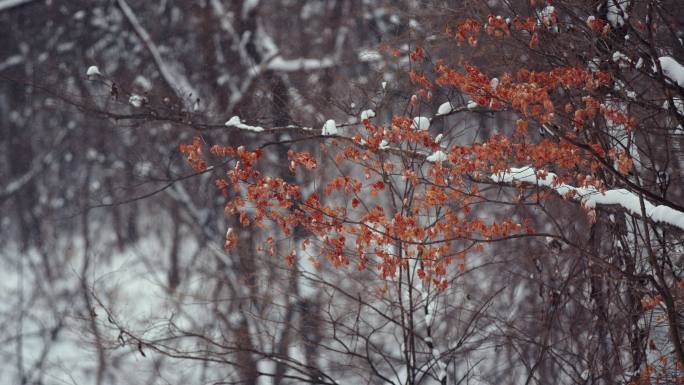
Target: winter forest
341,192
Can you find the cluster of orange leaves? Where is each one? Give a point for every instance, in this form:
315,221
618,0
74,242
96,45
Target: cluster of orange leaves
466,30
497,26
365,231
351,227
598,25
659,371
193,152
648,303
469,29
530,92
357,226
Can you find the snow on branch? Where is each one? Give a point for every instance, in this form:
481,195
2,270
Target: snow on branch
437,156
590,196
11,61
672,69
236,122
301,64
617,12
248,6
8,4
16,184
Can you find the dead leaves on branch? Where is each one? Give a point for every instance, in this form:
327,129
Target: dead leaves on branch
432,219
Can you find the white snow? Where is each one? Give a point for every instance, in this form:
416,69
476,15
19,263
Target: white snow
384,144
617,12
495,82
301,64
621,59
7,4
444,108
143,83
428,319
546,13
590,197
236,122
438,138
437,156
268,367
585,374
621,87
421,123
472,105
93,71
248,6
369,55
639,63
136,100
306,283
594,63
672,69
11,61
678,104
367,114
329,128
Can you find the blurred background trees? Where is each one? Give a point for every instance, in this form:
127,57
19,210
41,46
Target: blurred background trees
94,187
112,252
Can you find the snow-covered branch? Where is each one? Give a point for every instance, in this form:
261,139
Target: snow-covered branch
300,64
16,184
672,70
590,197
8,4
11,61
